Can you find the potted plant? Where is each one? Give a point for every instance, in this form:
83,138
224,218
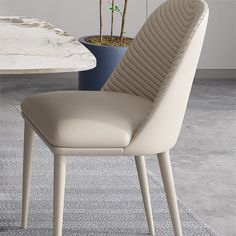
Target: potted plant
108,49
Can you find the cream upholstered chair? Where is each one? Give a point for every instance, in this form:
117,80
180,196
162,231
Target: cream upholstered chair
139,111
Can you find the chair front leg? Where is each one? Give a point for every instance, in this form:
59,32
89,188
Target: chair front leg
168,181
58,194
27,170
143,180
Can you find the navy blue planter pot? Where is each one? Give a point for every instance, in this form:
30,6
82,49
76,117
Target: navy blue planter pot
107,59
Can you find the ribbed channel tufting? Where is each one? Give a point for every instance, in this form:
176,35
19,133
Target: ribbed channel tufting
152,54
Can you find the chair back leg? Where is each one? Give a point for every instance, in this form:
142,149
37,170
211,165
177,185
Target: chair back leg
27,170
143,180
168,181
58,194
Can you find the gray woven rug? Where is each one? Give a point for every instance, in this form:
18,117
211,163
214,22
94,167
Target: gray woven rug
102,197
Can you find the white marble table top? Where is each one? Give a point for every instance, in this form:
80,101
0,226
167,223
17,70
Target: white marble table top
35,46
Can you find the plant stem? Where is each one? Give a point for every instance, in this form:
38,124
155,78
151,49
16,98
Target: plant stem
100,12
123,21
112,17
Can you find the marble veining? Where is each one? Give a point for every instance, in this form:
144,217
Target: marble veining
35,46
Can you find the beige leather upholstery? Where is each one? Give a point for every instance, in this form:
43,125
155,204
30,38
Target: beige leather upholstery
86,119
159,66
153,52
140,110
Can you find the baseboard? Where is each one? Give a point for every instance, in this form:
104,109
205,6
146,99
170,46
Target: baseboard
216,74
200,74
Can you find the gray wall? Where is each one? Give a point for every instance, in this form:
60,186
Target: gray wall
80,17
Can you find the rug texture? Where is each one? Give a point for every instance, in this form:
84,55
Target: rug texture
102,197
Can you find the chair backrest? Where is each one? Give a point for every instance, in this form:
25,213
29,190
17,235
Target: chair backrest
160,65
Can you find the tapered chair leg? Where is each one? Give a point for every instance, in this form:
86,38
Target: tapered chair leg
27,170
143,180
168,181
58,194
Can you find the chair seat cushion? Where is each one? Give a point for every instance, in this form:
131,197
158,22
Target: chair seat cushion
86,119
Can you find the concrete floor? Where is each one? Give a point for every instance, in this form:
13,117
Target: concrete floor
204,158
